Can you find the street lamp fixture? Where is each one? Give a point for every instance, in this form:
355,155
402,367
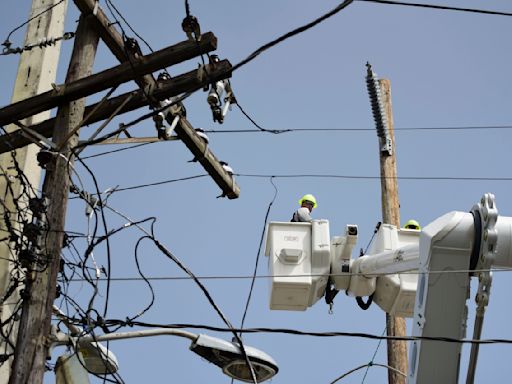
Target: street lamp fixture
226,355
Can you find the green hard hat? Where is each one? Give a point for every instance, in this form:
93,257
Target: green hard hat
412,224
308,197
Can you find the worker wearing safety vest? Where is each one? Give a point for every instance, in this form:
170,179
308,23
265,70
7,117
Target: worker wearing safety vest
303,214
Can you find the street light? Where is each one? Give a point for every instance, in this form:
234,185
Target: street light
226,355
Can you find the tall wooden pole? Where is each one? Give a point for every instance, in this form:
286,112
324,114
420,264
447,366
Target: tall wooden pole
37,69
32,343
397,350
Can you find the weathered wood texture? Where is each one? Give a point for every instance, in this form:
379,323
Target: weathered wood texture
109,78
397,350
32,343
187,82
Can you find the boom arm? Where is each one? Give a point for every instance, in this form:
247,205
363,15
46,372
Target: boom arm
439,262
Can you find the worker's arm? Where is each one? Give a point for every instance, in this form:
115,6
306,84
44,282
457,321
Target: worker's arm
303,215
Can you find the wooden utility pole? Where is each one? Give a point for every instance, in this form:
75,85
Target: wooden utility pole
32,343
380,97
42,262
36,71
397,350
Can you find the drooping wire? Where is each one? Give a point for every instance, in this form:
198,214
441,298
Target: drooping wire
292,33
275,131
367,366
258,254
105,227
148,283
238,339
171,256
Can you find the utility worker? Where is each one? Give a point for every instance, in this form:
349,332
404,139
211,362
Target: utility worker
303,214
412,224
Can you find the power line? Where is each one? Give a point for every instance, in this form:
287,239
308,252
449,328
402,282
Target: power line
122,127
356,177
258,254
248,59
166,252
287,130
110,6
440,7
319,176
370,364
315,130
373,357
159,183
296,332
262,49
246,277
7,43
115,151
292,33
46,42
260,129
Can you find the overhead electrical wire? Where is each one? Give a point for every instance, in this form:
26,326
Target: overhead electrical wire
258,254
160,183
260,128
29,20
280,39
150,236
367,366
316,130
247,277
296,332
317,176
110,6
292,33
105,228
356,177
373,357
245,61
439,7
251,57
123,127
114,151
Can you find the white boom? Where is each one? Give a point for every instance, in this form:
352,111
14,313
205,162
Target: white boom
439,261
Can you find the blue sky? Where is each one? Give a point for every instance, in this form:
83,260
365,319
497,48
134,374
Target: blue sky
447,69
